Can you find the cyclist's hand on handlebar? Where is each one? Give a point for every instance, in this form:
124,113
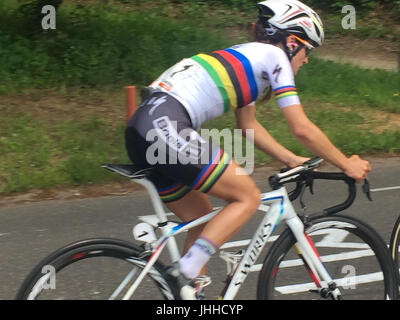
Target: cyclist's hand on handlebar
357,168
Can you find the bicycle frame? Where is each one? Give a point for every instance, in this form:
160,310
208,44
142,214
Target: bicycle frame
277,208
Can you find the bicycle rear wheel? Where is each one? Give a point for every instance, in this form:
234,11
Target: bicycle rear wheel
395,244
94,269
354,255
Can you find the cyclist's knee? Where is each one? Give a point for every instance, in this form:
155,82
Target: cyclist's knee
253,198
234,188
249,195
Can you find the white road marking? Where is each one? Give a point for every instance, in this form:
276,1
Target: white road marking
365,278
385,189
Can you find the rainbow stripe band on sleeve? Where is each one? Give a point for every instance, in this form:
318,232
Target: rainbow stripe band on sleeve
286,91
286,96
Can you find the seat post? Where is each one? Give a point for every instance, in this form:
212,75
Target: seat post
161,215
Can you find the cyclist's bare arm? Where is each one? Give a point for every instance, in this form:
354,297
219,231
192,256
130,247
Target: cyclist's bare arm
245,119
319,144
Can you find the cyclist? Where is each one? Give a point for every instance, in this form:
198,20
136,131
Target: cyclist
206,86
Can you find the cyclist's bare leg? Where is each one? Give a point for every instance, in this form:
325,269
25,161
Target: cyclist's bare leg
191,206
243,197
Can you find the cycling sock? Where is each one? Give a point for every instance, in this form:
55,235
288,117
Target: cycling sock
196,257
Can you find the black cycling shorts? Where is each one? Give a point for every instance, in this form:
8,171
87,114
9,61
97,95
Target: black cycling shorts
160,134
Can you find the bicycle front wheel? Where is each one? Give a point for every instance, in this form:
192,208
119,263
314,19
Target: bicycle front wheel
395,244
94,269
354,255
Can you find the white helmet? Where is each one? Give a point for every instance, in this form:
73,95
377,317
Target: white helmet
293,17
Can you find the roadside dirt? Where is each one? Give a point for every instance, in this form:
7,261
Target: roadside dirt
126,187
367,53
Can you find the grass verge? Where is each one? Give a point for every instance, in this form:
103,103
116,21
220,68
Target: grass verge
44,145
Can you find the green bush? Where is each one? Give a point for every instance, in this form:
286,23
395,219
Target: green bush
318,4
358,4
233,4
95,46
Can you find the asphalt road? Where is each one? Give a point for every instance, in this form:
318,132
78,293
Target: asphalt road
29,232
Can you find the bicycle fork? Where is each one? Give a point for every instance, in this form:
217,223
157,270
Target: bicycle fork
312,261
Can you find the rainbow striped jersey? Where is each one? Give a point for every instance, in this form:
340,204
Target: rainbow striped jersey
208,85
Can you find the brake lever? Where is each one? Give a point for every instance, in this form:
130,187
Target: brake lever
303,205
366,189
310,185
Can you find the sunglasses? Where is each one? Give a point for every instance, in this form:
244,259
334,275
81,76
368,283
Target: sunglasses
305,43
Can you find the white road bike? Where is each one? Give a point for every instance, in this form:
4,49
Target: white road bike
320,256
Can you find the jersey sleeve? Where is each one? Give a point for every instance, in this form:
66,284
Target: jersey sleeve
281,78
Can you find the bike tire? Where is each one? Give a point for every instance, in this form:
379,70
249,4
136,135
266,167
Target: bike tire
87,270
284,277
395,244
